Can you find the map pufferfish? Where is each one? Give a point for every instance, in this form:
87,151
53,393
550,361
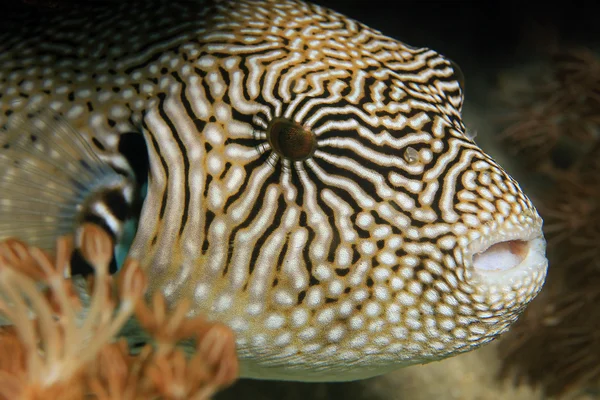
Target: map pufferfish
303,178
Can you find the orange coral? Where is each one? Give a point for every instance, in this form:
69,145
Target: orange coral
64,345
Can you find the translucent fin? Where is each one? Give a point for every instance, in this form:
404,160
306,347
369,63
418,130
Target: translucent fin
51,181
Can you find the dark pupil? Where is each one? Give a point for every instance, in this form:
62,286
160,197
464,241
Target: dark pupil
290,140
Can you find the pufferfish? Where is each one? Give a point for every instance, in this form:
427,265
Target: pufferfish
299,176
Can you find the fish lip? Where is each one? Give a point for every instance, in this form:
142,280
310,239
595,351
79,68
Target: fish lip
533,263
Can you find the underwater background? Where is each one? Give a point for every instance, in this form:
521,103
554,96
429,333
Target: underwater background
517,58
532,80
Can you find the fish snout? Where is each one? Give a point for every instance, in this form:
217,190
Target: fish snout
511,258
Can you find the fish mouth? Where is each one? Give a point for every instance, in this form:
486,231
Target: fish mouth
509,256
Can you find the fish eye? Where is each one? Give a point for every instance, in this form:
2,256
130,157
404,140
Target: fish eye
291,140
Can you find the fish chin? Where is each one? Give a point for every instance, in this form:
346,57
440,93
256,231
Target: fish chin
509,258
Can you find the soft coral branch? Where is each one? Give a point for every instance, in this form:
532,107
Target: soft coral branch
59,348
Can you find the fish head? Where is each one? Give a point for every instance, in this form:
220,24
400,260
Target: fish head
337,214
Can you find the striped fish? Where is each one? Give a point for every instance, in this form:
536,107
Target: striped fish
303,178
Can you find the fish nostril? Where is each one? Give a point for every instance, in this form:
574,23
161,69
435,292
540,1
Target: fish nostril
502,256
